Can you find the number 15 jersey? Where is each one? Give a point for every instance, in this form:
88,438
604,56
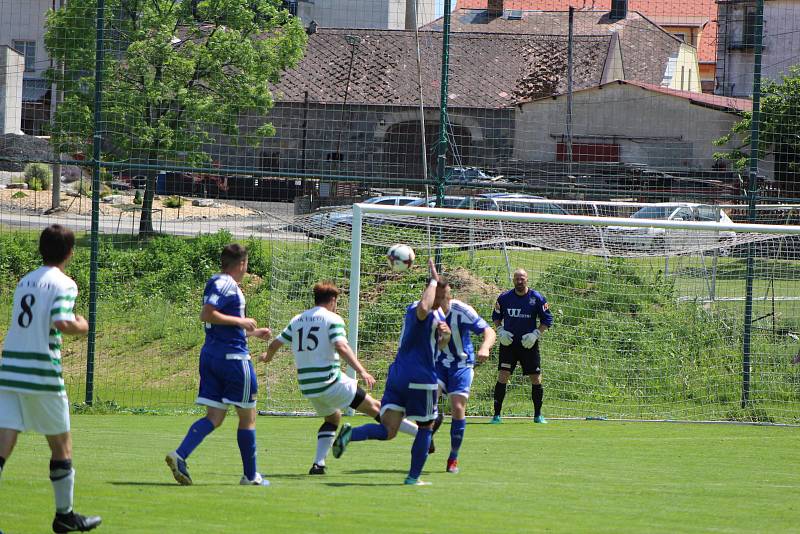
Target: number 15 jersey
312,335
31,361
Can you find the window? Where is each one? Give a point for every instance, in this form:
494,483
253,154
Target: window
681,36
749,27
589,152
27,49
290,6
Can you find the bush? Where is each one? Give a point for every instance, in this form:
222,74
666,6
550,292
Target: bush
137,199
38,176
173,202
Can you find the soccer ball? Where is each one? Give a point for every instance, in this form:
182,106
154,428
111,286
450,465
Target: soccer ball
400,257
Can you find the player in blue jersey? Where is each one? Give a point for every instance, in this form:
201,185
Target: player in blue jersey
515,314
455,362
227,376
411,387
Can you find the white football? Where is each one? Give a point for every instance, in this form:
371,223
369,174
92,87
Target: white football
400,257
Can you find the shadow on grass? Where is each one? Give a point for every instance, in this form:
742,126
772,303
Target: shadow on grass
375,471
364,484
134,483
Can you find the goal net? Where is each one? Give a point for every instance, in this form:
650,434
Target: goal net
650,310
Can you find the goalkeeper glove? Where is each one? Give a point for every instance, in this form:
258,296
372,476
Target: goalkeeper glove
505,337
529,340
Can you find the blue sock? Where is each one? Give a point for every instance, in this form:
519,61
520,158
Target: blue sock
246,437
419,452
197,433
457,427
372,431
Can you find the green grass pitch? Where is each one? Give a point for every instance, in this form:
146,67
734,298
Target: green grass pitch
568,476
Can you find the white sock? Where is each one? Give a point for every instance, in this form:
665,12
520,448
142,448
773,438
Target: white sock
63,483
408,427
324,443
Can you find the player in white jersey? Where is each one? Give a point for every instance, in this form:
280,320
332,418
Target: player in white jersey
32,393
317,338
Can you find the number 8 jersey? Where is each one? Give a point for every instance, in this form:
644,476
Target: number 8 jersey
31,361
312,335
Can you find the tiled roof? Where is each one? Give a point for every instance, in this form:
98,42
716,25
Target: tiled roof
723,103
672,11
486,70
702,99
646,48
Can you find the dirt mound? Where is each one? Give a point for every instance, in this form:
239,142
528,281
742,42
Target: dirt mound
17,150
467,284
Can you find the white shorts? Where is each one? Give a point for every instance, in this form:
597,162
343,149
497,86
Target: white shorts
45,414
337,397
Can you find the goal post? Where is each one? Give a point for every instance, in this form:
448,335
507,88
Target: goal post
632,338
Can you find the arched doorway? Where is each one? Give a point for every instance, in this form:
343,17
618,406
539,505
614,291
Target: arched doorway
403,148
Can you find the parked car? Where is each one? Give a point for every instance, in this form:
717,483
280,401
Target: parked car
449,202
516,202
331,219
655,239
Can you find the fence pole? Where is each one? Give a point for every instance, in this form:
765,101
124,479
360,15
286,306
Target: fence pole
441,162
95,232
752,197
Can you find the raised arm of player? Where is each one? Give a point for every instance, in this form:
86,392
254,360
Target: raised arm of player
347,354
210,314
489,339
425,306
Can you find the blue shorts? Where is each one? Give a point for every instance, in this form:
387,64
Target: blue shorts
416,398
455,380
224,381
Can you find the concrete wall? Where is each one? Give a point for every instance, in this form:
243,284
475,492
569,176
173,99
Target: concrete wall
359,133
686,76
377,14
23,20
12,66
781,45
651,128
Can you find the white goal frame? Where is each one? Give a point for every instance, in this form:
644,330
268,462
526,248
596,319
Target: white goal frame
359,210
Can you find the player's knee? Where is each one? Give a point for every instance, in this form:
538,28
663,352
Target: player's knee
215,419
391,433
426,424
376,407
536,379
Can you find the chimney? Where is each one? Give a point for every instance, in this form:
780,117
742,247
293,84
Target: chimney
495,8
619,9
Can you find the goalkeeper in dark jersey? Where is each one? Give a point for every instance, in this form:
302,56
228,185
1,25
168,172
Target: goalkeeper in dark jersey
515,315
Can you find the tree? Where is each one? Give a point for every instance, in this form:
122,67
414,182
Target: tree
177,75
779,132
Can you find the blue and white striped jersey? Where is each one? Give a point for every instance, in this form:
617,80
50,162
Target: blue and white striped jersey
463,321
